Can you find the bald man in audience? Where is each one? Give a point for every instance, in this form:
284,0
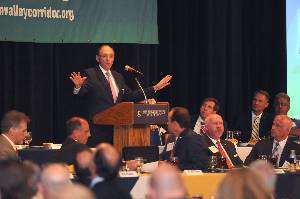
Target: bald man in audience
107,162
73,191
166,183
215,146
14,129
279,146
78,131
53,177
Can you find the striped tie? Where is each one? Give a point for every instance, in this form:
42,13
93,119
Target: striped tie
255,129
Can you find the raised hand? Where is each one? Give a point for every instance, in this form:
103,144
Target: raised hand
77,79
163,83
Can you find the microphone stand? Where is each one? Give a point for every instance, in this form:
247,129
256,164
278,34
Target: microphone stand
137,81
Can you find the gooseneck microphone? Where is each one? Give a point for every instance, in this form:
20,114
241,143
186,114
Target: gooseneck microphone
130,69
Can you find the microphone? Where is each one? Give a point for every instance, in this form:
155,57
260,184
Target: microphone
130,69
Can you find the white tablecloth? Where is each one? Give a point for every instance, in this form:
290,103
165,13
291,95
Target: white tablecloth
243,152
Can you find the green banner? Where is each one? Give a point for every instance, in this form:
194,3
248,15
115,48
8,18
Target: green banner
79,21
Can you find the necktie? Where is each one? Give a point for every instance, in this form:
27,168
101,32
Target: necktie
225,155
255,128
173,149
113,91
275,152
203,128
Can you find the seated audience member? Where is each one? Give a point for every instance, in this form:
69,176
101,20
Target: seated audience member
217,146
53,177
185,144
243,184
73,191
83,161
166,183
267,173
277,147
14,130
282,107
256,124
15,180
208,106
107,162
78,132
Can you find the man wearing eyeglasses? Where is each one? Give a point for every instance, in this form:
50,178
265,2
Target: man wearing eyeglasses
282,107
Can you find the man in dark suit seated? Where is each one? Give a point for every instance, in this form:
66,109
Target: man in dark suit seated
256,124
185,144
104,88
279,146
107,162
78,132
216,146
14,130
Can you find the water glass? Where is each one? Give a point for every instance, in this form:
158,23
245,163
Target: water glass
212,163
174,160
28,138
139,164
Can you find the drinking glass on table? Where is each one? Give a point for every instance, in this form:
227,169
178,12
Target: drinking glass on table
231,137
28,138
263,157
212,163
174,160
139,164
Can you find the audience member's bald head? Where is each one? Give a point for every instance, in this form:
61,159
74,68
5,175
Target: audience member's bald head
107,161
281,127
53,177
266,171
73,191
214,125
166,183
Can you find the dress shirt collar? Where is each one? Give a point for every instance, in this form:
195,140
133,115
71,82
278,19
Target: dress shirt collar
281,143
104,71
214,141
11,143
96,180
254,116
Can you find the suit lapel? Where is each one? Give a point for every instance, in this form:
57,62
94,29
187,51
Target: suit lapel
211,144
286,151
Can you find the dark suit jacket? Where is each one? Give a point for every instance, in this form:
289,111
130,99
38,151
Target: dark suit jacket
244,124
99,95
229,148
109,189
189,150
265,147
6,149
69,150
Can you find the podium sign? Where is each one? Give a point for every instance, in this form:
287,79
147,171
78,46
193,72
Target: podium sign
151,113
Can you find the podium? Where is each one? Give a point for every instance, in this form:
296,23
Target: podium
131,122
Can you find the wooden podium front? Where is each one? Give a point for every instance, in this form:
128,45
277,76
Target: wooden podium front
131,122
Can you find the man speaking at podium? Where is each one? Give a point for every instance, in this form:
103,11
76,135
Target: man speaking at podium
104,88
